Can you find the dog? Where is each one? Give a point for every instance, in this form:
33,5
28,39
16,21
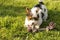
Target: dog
35,16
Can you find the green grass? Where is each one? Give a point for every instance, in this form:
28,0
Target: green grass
12,16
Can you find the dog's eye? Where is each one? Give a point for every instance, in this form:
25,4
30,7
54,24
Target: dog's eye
35,18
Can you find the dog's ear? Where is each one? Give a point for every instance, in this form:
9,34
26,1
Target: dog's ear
28,10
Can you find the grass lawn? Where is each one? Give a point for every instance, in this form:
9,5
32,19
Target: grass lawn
12,16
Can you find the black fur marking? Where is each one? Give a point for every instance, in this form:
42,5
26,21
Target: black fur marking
37,15
35,18
42,14
44,10
39,5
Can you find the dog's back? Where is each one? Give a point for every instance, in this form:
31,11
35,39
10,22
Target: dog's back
43,8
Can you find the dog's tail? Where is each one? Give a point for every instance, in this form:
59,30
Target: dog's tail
41,2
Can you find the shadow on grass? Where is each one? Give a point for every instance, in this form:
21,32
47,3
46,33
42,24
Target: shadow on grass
11,11
54,16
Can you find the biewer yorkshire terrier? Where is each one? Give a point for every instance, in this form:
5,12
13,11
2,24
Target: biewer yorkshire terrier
35,16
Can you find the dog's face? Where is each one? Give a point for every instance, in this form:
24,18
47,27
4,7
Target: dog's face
32,17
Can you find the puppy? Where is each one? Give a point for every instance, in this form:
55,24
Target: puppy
35,16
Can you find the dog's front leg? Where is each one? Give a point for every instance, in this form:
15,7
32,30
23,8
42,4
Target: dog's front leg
36,28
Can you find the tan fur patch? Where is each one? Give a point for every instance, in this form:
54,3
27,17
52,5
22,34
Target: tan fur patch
29,17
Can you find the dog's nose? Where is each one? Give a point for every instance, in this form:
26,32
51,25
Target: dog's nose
28,25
